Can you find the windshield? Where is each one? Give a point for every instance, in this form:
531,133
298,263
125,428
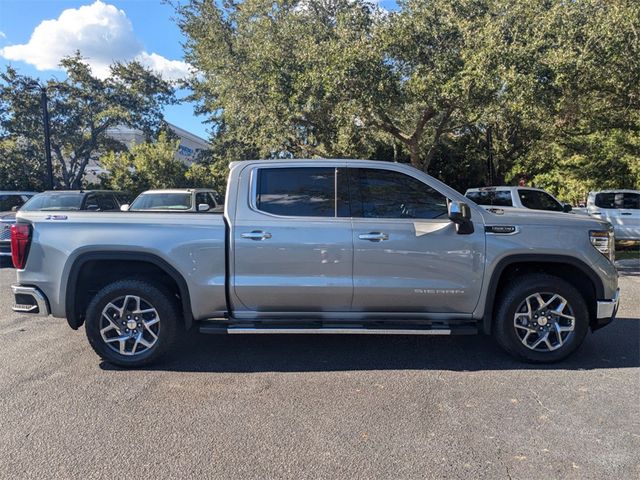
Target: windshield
54,201
162,201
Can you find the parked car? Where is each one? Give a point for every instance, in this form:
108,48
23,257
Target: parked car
10,202
322,246
498,199
177,200
621,208
75,200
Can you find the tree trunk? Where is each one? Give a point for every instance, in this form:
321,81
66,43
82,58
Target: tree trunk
414,153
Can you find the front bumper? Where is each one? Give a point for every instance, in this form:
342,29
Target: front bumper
607,310
29,300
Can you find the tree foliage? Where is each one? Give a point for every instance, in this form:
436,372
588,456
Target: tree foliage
82,109
153,165
145,166
546,89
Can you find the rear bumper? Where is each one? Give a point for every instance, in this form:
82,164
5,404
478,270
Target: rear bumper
607,310
5,249
29,300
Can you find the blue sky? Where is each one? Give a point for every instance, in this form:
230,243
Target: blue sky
34,34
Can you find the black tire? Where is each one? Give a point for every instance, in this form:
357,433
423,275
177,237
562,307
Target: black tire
150,295
509,337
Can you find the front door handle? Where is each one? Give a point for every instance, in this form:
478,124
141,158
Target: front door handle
625,213
256,235
374,236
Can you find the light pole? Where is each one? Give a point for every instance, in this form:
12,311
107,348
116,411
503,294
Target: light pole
45,121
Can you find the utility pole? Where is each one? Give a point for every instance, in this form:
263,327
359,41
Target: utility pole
47,139
489,157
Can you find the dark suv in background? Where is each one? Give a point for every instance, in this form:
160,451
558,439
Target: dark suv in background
54,200
10,202
75,200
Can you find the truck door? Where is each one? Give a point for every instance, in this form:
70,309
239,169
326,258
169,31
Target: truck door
408,256
292,251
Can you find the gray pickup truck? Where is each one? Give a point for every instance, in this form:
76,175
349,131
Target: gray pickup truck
320,246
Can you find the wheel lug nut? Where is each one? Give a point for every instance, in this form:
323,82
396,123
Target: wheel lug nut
135,331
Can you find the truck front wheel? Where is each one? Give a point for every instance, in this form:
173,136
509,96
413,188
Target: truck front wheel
541,318
131,323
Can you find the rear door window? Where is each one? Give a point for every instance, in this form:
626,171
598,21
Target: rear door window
377,193
538,200
626,200
296,191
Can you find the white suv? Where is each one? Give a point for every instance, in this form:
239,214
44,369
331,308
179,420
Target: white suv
495,199
621,208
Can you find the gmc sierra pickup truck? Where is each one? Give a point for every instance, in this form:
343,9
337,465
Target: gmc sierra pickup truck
320,246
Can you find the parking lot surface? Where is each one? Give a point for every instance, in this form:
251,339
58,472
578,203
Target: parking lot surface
319,406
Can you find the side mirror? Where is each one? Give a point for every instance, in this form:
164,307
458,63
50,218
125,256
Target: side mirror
460,214
15,209
203,207
93,208
566,208
124,207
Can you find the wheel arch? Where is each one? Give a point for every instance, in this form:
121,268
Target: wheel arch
150,267
589,284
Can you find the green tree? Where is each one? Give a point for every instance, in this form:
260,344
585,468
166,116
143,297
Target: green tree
145,166
22,165
542,86
82,109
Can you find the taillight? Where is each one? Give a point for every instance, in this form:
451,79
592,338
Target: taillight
20,241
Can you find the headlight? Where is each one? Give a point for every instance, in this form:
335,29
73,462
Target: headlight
604,242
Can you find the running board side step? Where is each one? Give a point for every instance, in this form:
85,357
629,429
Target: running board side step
334,330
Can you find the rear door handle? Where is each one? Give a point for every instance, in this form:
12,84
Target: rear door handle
625,213
256,235
374,236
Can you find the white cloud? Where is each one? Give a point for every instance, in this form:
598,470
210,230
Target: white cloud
101,32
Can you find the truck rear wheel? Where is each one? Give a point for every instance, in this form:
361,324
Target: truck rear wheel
541,319
131,323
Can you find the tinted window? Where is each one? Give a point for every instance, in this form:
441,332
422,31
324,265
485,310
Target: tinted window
7,202
107,202
54,201
385,194
299,192
537,200
218,198
491,198
162,201
502,199
91,203
205,198
618,200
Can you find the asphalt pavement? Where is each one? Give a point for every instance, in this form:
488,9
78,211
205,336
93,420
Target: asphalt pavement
319,406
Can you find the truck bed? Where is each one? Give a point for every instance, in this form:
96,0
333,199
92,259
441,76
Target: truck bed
192,243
